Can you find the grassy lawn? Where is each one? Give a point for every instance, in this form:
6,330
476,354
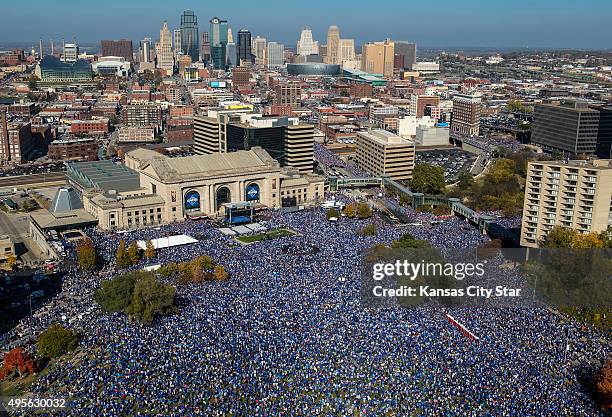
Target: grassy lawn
271,234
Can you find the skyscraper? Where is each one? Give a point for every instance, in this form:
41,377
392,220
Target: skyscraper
274,55
146,54
163,50
244,47
377,58
176,42
231,54
306,45
406,52
122,47
218,42
259,50
333,39
189,35
346,50
205,47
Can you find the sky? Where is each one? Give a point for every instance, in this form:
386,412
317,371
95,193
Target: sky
439,23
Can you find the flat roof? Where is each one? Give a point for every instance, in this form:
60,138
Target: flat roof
168,242
384,137
103,175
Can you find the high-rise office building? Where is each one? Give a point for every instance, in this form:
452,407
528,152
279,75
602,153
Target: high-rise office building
288,94
287,140
333,39
571,127
231,54
346,51
245,56
275,55
71,52
306,45
176,43
259,50
205,47
146,53
466,114
163,50
218,42
405,53
572,194
190,38
122,48
377,58
418,103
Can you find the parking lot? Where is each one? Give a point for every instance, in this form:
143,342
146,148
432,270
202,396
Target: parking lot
453,161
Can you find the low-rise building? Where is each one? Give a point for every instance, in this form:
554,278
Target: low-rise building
136,134
73,148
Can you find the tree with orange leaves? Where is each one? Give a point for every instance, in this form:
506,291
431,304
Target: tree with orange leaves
603,385
19,360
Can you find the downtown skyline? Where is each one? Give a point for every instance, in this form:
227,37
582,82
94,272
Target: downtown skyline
447,26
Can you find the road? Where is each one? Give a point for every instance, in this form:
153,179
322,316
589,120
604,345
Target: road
31,179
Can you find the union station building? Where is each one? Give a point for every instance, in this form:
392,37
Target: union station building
150,188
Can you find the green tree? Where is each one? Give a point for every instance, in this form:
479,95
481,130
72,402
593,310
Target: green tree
150,299
427,179
121,257
86,254
408,241
57,341
150,250
33,82
466,180
331,213
134,252
116,294
369,230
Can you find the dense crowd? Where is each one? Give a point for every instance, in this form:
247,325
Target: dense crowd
288,335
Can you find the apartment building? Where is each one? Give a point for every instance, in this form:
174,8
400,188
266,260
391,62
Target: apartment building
573,194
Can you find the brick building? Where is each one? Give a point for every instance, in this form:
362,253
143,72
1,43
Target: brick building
74,148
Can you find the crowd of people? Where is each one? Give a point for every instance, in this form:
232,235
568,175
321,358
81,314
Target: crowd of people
288,334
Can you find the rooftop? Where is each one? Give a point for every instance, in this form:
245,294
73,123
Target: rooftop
103,175
384,137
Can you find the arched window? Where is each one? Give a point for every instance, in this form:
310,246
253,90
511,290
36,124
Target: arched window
223,196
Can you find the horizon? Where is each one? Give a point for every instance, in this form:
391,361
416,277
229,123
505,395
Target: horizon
533,26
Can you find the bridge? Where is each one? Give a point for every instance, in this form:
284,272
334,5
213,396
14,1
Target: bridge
417,199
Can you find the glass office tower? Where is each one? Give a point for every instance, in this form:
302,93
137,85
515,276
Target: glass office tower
190,39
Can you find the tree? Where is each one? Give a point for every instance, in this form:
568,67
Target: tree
121,257
331,213
86,254
18,360
587,241
427,179
559,237
369,230
57,341
137,294
350,210
150,250
441,210
11,261
364,211
409,242
466,180
33,82
150,299
220,273
425,208
134,253
603,385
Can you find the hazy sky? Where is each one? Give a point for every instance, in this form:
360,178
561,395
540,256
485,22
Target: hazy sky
501,23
